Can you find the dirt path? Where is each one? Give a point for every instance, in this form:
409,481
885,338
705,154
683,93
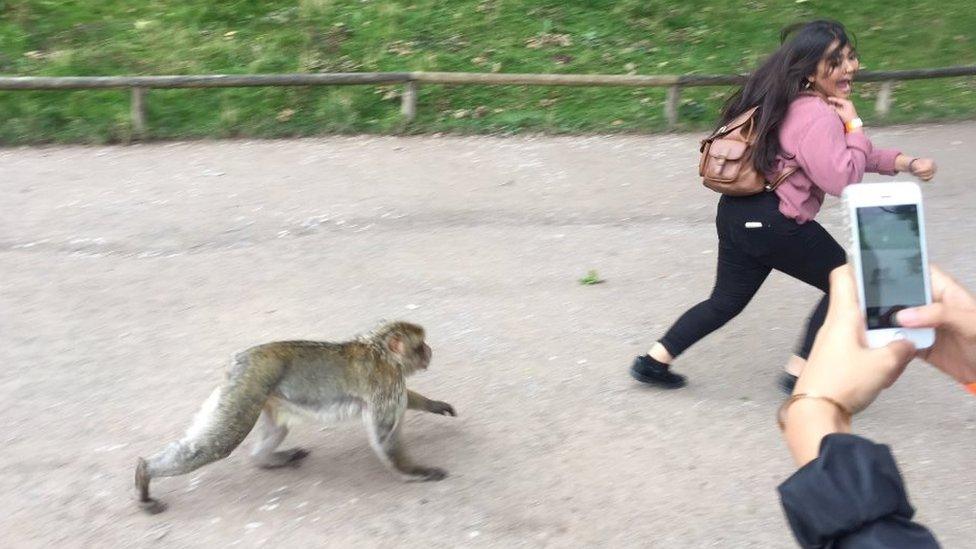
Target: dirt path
131,274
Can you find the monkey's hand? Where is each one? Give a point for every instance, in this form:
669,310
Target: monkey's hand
442,408
424,474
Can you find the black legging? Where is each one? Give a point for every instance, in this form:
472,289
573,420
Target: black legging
753,239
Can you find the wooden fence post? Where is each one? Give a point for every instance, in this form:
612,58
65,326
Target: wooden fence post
138,112
408,103
671,106
883,104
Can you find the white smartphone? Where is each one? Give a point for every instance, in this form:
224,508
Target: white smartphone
890,259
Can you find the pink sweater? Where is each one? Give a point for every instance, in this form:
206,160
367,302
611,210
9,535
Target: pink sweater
812,137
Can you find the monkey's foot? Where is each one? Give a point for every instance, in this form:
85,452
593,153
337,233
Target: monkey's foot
152,506
284,458
424,474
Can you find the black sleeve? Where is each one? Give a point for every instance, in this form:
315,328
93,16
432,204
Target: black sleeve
851,496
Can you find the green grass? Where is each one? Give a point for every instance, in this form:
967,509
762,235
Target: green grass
116,37
591,278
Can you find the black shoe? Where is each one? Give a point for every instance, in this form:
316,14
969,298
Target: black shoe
647,370
787,382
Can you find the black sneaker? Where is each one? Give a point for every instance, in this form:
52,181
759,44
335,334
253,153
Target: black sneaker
787,382
647,370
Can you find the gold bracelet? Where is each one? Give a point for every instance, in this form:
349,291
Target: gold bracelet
781,414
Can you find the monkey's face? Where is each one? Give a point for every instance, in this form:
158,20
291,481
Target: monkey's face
406,343
420,356
410,352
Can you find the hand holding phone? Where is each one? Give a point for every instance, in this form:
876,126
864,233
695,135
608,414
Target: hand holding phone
840,365
842,368
953,315
888,251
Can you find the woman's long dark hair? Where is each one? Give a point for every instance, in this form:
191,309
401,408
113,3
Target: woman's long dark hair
780,79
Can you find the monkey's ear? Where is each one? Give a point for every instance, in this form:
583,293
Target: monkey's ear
396,344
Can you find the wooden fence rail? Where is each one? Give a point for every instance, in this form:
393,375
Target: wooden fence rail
412,81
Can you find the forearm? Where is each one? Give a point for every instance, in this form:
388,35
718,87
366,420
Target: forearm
416,401
807,422
903,163
851,496
922,168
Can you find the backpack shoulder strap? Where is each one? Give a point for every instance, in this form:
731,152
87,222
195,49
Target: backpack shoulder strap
770,187
734,123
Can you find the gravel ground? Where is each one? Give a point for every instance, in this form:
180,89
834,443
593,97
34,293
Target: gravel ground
131,274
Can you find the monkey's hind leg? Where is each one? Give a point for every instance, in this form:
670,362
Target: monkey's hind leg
146,503
273,431
215,432
178,458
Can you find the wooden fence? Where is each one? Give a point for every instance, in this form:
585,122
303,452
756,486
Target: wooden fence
411,81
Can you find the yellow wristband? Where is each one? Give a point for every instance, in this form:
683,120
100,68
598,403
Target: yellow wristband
781,415
852,125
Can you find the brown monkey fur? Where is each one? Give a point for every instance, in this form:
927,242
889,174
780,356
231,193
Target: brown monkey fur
276,383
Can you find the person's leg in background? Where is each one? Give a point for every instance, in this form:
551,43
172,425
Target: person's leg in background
810,257
814,322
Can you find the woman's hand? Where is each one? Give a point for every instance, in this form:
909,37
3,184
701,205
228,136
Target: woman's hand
953,315
923,168
844,107
841,365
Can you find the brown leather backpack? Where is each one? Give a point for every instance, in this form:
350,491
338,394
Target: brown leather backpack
726,159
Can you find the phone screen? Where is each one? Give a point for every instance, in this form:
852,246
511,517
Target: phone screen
891,262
